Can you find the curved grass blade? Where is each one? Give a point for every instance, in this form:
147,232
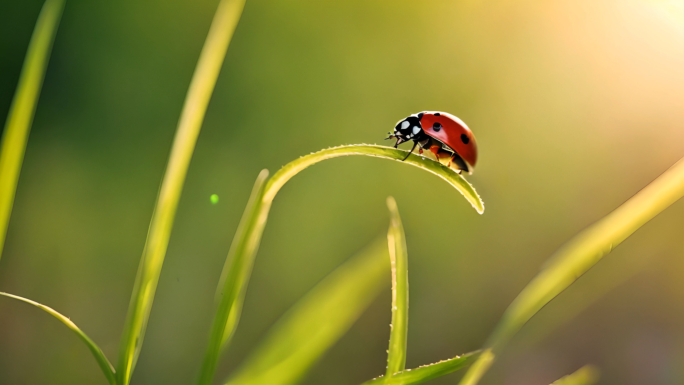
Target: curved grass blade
240,259
230,292
427,372
586,375
316,321
429,165
396,354
102,361
577,256
199,93
21,112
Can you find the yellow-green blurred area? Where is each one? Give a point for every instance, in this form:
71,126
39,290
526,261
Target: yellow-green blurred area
576,105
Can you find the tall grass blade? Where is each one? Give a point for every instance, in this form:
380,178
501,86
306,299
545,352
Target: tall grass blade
577,256
21,112
102,361
199,93
240,259
396,354
316,321
427,372
586,375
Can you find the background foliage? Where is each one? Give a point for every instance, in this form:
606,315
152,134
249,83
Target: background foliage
575,104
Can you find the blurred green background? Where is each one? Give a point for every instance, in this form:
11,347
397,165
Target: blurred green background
576,105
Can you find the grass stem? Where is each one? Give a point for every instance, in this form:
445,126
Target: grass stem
396,239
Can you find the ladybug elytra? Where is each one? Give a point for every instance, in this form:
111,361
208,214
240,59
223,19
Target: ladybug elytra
446,136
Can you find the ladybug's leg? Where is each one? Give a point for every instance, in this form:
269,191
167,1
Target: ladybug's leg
412,148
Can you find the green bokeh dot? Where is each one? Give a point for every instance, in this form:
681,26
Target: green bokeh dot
214,199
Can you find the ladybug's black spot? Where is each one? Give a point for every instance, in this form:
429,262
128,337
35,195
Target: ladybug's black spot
436,113
437,126
465,139
420,115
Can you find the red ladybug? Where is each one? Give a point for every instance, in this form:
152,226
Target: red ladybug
445,135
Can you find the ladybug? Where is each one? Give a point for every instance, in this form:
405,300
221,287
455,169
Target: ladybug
446,136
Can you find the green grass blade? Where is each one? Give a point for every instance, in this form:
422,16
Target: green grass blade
316,321
586,375
427,372
581,298
232,286
197,99
102,361
396,354
429,165
21,112
577,256
240,259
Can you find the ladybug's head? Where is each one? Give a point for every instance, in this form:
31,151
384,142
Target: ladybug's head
408,129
